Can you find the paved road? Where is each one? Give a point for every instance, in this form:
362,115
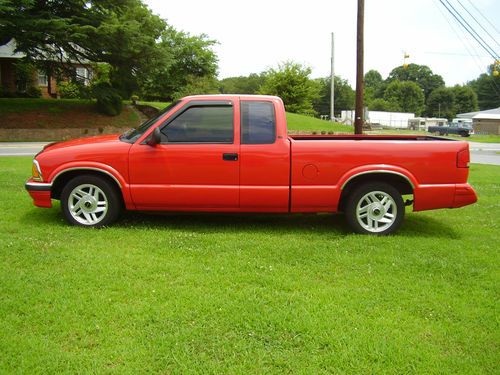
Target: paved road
483,153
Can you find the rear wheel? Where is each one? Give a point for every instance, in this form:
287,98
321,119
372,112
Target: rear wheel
375,208
90,201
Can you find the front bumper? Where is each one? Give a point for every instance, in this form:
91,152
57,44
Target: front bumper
40,192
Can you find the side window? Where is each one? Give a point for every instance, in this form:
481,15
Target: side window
201,124
258,124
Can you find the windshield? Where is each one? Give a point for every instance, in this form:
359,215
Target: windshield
134,134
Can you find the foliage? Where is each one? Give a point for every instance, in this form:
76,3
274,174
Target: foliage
33,92
68,90
197,86
183,62
379,104
465,99
441,103
374,87
248,294
242,85
291,82
109,100
487,88
343,98
420,74
144,54
405,96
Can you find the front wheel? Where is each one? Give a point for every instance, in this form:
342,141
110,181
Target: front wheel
90,201
375,208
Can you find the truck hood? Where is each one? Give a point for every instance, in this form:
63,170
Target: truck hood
100,139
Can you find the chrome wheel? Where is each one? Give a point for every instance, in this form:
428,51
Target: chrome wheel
87,204
376,211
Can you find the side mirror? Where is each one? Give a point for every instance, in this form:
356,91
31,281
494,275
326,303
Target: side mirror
154,138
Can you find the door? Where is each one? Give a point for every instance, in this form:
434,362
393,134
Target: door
265,159
196,166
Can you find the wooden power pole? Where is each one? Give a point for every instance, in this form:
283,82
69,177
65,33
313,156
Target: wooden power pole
359,113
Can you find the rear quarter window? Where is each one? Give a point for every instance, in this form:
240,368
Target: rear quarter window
258,122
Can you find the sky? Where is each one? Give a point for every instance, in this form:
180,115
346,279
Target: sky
255,35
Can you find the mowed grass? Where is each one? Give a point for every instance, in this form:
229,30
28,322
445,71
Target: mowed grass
248,294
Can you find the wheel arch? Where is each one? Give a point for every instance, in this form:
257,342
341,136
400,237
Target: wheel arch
62,176
404,183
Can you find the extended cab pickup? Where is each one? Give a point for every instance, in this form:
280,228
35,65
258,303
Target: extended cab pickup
232,153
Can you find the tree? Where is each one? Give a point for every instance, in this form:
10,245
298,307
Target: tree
441,103
420,74
184,63
374,86
292,83
344,95
242,85
405,96
122,33
379,104
487,88
465,99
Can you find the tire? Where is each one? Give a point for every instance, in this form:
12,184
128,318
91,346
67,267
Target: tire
90,201
375,208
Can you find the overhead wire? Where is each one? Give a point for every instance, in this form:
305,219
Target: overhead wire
479,23
469,29
482,15
462,40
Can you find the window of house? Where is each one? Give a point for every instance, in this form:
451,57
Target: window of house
201,124
82,75
43,80
258,124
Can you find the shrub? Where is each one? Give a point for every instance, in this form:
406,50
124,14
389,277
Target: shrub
33,92
134,99
108,100
68,90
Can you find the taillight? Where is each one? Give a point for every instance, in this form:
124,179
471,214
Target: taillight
463,158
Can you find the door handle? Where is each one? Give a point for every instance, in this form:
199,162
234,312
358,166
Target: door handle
230,157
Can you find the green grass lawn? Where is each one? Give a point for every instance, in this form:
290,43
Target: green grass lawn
248,294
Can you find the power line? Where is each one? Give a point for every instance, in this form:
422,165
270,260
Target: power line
482,15
462,40
482,27
469,29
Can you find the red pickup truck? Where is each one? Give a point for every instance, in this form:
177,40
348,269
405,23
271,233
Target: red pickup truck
231,153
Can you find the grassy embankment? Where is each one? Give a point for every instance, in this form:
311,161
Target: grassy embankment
248,294
24,113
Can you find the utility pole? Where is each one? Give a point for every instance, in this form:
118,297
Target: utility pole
359,112
332,84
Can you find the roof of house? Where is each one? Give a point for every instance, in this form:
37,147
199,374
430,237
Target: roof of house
486,114
8,51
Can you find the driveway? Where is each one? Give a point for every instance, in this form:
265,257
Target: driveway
482,153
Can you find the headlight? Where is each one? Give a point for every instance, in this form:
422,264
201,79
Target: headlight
36,173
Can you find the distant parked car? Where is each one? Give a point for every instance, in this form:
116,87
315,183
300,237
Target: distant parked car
461,129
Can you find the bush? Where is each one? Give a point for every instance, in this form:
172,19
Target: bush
33,92
108,100
68,90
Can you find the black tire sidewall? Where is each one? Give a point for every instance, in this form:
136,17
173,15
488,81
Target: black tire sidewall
114,202
359,192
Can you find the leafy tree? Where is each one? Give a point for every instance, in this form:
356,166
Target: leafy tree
465,99
183,62
122,33
405,96
441,103
292,83
420,74
242,85
344,95
379,104
487,88
374,86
